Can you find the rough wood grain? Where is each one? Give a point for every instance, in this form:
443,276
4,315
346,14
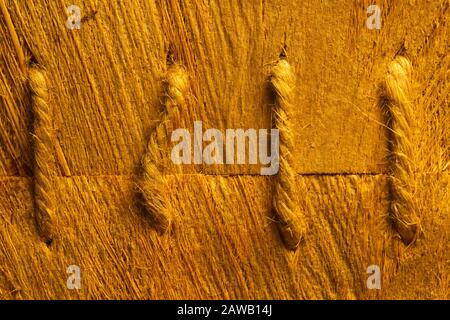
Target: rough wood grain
105,85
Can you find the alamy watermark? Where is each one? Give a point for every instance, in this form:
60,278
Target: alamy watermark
374,20
227,148
374,280
74,279
74,19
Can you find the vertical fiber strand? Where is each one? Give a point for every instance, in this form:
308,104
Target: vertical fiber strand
403,210
153,183
43,155
15,39
291,220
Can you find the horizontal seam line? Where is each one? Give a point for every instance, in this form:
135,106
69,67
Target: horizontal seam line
219,175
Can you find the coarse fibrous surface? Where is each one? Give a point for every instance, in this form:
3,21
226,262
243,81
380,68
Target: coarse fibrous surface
87,108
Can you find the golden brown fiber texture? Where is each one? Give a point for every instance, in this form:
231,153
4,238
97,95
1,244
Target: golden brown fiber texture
14,38
154,183
43,156
291,221
104,82
402,124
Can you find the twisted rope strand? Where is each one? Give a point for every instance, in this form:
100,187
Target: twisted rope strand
403,210
44,198
153,182
291,220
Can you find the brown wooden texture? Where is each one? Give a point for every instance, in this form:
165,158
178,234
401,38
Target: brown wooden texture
105,84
